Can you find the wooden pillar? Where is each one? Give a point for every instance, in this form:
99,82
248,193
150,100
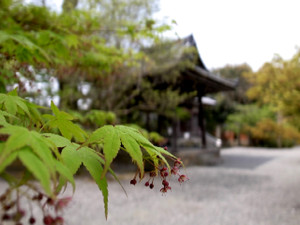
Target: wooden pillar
200,93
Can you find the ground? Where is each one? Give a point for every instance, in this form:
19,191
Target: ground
251,187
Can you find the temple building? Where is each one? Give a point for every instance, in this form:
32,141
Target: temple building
194,77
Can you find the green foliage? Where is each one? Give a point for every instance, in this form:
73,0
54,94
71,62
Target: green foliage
13,103
271,134
236,74
101,43
99,118
261,125
74,46
54,159
110,138
247,116
277,84
68,43
154,137
36,167
264,105
63,121
228,102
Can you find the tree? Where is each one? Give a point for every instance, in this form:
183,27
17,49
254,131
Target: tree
104,50
52,148
245,119
35,42
235,73
161,90
228,103
267,132
277,84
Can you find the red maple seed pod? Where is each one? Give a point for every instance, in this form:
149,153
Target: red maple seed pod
147,184
164,174
133,181
164,169
177,163
32,220
174,170
2,198
151,186
48,220
50,201
62,203
59,220
40,196
7,207
21,213
165,189
182,178
165,183
6,217
153,174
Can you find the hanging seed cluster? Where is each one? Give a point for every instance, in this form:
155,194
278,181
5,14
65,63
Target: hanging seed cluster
12,211
164,174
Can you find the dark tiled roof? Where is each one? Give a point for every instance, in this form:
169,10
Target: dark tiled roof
203,76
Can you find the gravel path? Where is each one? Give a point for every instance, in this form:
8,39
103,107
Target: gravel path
251,187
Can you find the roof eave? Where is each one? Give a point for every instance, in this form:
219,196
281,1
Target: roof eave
212,82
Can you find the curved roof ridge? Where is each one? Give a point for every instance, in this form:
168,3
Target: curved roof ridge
191,40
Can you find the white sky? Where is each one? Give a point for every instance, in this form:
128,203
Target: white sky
238,31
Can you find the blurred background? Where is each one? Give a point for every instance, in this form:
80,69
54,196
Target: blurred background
134,62
212,80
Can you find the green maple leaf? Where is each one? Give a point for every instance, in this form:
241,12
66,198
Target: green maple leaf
63,121
3,115
7,160
130,140
13,103
110,138
21,137
134,150
36,167
91,162
74,156
30,146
